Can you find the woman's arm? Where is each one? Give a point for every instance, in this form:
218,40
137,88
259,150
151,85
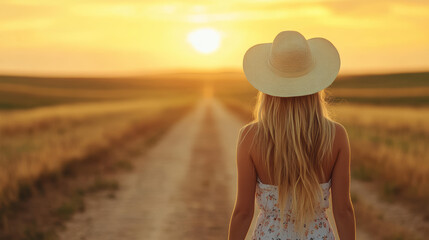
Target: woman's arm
341,201
246,182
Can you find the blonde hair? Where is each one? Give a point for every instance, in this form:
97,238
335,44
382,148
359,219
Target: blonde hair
295,135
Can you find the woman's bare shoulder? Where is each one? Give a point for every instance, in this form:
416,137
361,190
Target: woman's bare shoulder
248,128
341,135
247,133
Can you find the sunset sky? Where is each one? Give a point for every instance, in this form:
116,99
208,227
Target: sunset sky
134,36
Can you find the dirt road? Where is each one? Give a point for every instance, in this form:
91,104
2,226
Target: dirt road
183,188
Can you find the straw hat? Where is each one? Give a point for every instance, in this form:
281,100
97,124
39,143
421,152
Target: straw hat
291,65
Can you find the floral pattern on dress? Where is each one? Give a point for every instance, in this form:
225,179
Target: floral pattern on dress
268,225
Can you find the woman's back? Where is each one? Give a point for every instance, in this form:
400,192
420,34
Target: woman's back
268,223
327,166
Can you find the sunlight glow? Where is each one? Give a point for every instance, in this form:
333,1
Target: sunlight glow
204,40
95,37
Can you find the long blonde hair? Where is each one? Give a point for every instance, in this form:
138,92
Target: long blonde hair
294,136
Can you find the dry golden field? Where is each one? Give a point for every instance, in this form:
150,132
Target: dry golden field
44,139
47,123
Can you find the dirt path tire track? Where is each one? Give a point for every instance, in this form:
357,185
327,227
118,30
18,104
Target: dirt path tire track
202,205
183,188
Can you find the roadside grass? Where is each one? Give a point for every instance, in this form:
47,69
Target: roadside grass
124,164
103,185
52,197
372,221
33,233
76,203
389,146
363,173
42,140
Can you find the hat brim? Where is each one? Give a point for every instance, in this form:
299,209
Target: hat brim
262,77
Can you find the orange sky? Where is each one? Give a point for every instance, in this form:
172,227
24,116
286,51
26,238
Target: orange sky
133,36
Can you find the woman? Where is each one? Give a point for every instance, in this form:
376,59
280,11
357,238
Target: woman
292,154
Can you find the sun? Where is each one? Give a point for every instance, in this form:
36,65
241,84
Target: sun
204,40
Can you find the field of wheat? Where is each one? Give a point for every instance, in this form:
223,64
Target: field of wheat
43,137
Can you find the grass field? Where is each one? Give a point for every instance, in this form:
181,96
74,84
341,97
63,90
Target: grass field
42,140
46,123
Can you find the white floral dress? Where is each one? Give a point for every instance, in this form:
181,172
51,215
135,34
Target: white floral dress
268,224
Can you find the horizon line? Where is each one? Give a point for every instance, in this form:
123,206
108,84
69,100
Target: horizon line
183,71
